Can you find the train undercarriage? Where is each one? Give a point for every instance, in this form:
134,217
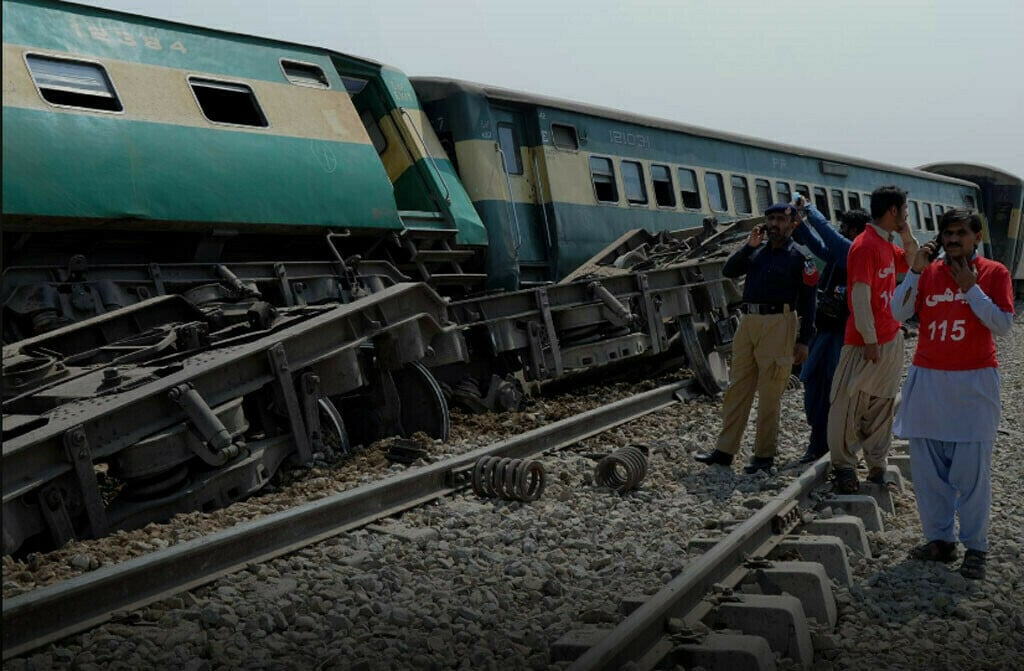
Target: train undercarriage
193,396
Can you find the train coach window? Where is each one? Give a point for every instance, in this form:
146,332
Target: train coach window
603,176
838,203
228,102
73,83
866,201
716,192
803,190
664,194
939,210
353,85
688,191
306,74
969,202
633,183
854,201
782,192
821,201
763,189
913,215
510,149
929,222
564,136
741,195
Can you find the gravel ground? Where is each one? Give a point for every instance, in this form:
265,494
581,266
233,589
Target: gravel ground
478,584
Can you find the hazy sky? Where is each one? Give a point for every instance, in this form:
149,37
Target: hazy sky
906,82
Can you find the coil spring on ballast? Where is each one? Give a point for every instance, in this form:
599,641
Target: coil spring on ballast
511,479
623,470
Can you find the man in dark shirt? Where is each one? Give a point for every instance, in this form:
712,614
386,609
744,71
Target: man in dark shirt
780,285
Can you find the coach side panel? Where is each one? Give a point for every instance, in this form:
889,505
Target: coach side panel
109,118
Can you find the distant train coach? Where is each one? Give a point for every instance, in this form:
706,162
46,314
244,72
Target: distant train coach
554,181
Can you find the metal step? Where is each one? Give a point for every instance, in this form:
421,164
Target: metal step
411,215
449,279
427,225
443,255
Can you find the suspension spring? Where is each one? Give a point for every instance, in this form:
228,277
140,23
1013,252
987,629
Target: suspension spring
510,479
623,470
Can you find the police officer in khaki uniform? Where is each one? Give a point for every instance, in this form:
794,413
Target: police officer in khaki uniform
774,332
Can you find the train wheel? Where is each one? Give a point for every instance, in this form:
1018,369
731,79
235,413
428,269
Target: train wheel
332,426
397,403
423,404
709,366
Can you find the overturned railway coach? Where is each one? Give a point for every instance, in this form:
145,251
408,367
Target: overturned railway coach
209,242
131,144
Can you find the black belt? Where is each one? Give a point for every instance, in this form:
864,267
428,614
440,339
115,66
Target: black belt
765,308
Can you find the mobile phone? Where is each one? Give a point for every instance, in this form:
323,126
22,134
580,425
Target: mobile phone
938,246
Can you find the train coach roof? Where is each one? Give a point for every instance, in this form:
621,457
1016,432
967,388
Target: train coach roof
955,167
73,6
508,95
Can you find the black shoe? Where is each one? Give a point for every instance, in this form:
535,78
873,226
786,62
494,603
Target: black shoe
876,475
845,481
941,551
714,457
812,455
759,464
973,566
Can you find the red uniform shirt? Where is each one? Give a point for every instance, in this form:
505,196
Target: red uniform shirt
876,262
951,336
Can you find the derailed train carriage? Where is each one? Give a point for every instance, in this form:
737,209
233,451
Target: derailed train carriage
222,251
210,242
132,143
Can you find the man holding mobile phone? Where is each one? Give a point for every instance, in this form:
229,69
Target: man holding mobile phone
779,287
950,408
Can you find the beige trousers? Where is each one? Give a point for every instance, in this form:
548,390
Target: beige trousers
863,396
762,358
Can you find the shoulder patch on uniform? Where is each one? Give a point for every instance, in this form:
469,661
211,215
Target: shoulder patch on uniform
810,272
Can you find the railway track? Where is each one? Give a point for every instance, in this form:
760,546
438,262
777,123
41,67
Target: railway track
772,617
652,631
53,612
362,588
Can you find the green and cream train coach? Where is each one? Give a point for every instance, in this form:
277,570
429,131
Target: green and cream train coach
129,140
555,181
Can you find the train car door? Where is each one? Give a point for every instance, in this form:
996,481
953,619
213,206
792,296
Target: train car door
525,209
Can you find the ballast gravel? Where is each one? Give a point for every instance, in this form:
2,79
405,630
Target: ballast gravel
470,583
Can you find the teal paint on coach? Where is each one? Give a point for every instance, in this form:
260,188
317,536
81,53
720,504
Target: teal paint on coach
677,147
446,188
580,231
117,168
103,34
584,230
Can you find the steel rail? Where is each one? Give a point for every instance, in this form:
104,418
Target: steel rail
50,613
642,637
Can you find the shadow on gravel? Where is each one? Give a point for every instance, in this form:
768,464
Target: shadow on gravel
912,592
715,482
